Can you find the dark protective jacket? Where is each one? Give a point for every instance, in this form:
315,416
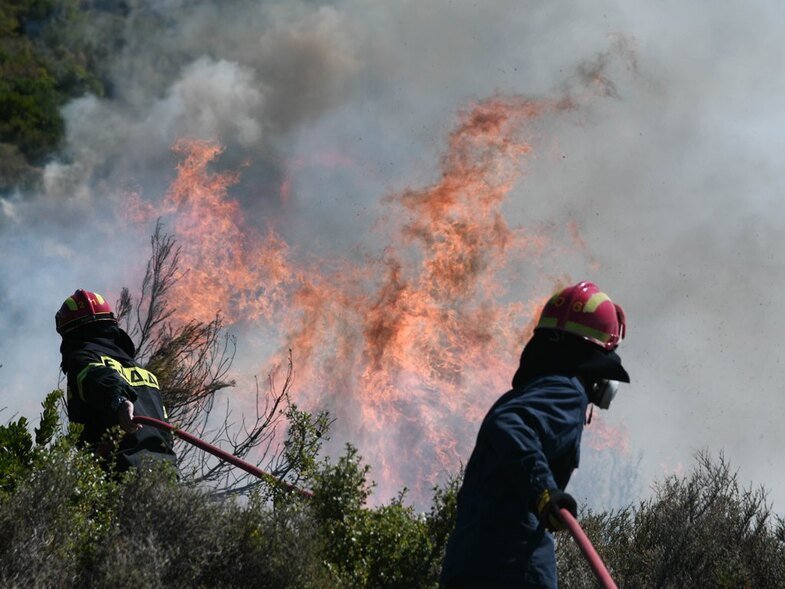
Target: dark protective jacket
528,442
98,360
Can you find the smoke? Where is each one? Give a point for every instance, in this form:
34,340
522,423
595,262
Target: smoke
661,185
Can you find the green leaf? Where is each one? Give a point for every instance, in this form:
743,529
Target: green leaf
50,418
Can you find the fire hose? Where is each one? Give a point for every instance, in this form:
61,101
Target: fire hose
572,524
222,454
588,550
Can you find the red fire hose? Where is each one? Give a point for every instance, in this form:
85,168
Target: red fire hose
215,451
588,550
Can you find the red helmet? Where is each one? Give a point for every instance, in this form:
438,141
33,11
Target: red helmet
584,310
80,308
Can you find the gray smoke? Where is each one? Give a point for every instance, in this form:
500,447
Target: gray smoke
672,179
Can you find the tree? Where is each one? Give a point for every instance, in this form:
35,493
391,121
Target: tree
49,52
192,361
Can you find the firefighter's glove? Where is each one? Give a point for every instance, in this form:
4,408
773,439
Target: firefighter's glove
548,504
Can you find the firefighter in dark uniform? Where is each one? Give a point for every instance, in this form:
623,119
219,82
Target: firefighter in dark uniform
106,387
529,444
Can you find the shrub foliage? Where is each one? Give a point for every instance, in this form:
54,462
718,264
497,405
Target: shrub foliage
703,529
68,523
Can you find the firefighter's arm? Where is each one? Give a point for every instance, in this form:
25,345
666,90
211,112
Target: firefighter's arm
106,392
516,437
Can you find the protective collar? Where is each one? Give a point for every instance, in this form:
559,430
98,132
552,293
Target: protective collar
555,352
99,338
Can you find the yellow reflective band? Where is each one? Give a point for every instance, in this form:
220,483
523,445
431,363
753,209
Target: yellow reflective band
134,375
99,298
587,331
595,301
543,500
81,376
548,322
71,303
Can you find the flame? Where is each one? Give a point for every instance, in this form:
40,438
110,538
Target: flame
228,266
600,435
409,349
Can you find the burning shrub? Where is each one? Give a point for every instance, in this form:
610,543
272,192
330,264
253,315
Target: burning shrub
192,360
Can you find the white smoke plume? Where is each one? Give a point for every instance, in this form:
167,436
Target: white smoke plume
667,187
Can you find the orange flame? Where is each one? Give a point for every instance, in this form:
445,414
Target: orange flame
409,350
228,266
602,436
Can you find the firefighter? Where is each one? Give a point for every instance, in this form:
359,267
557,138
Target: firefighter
106,387
528,445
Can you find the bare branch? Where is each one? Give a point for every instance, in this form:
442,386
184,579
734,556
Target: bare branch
192,362
152,309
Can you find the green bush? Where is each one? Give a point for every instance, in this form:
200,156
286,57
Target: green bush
29,101
73,524
67,523
389,546
701,530
18,452
54,518
170,535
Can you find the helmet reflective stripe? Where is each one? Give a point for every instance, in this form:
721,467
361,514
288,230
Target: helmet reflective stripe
594,301
587,331
80,308
585,311
556,300
578,327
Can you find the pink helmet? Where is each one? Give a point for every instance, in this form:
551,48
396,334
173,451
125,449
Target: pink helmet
80,308
584,310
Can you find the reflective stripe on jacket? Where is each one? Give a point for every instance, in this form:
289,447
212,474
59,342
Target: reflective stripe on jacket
94,383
